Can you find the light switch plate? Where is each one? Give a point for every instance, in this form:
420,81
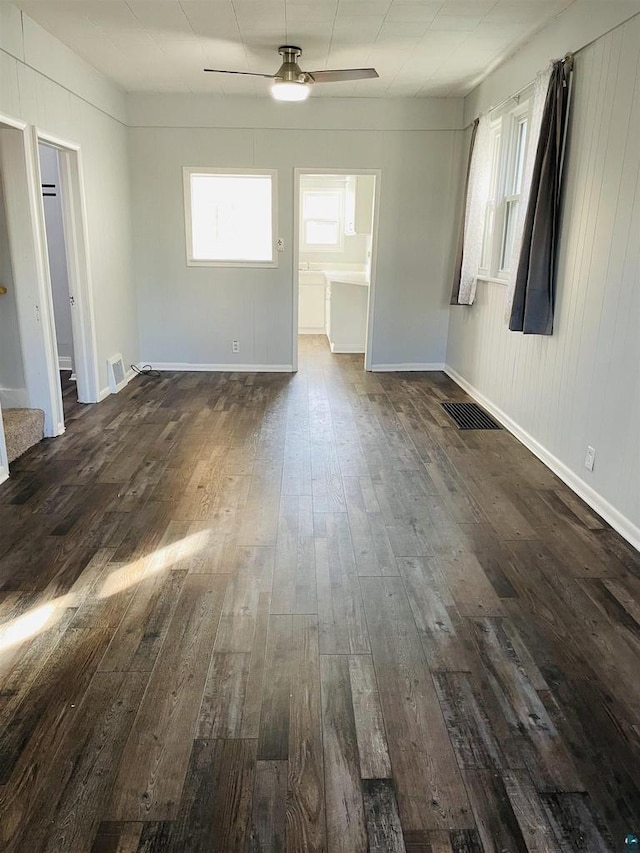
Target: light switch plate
590,458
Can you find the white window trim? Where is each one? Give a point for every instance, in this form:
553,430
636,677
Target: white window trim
514,118
492,280
506,125
310,248
187,172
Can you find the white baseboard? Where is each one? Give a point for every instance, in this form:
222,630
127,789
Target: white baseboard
65,362
347,350
311,330
406,367
181,366
4,474
614,517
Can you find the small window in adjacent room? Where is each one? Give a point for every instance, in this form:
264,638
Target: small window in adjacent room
509,138
230,217
322,220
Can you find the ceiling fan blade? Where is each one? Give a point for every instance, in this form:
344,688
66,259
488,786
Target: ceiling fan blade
243,73
342,74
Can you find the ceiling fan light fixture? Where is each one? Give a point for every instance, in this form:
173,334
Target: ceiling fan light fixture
290,90
291,83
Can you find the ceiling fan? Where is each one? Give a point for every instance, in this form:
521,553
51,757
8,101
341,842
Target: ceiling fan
291,83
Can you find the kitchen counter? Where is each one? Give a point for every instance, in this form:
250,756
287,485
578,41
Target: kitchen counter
347,277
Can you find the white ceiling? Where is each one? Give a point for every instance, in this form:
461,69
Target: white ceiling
419,47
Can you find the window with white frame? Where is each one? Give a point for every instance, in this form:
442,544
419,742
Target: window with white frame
508,146
322,220
230,217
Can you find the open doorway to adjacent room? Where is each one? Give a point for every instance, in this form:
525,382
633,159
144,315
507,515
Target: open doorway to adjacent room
26,415
13,394
335,252
72,335
31,398
58,272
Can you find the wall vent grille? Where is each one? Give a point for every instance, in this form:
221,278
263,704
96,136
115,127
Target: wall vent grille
117,373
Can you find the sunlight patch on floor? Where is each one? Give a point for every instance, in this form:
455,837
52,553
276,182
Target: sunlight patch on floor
32,623
39,619
151,564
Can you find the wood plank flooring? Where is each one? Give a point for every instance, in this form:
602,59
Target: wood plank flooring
245,613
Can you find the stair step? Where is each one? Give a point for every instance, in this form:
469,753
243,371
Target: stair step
22,429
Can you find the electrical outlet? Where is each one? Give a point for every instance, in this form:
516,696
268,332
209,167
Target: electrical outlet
235,346
590,458
279,245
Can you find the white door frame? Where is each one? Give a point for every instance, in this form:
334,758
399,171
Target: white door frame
4,462
79,269
298,173
18,160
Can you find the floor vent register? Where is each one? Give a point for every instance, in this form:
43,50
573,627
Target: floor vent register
470,416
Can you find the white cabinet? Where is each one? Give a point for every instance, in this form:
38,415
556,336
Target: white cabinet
365,187
334,303
347,307
358,216
311,303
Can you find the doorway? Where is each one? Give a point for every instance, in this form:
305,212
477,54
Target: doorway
336,213
72,340
58,272
12,384
24,382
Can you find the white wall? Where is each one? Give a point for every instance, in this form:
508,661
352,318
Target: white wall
582,385
580,24
81,107
57,253
191,315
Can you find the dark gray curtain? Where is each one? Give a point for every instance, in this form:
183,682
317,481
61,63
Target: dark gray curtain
534,296
457,273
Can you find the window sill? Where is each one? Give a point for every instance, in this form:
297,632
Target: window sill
236,264
493,280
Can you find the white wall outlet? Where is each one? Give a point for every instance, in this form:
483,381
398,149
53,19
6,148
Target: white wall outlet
590,458
279,245
235,346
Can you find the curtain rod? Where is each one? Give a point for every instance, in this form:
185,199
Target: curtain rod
568,57
571,55
513,97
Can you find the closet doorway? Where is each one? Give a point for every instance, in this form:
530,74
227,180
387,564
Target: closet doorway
58,271
65,257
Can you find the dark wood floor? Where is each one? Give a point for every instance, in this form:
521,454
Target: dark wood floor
305,613
69,393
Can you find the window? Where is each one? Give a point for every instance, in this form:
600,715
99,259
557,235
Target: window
230,217
323,220
509,137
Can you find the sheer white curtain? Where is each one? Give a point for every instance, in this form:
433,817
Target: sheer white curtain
478,192
538,98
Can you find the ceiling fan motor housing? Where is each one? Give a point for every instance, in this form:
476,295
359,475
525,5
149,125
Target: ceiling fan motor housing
290,71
